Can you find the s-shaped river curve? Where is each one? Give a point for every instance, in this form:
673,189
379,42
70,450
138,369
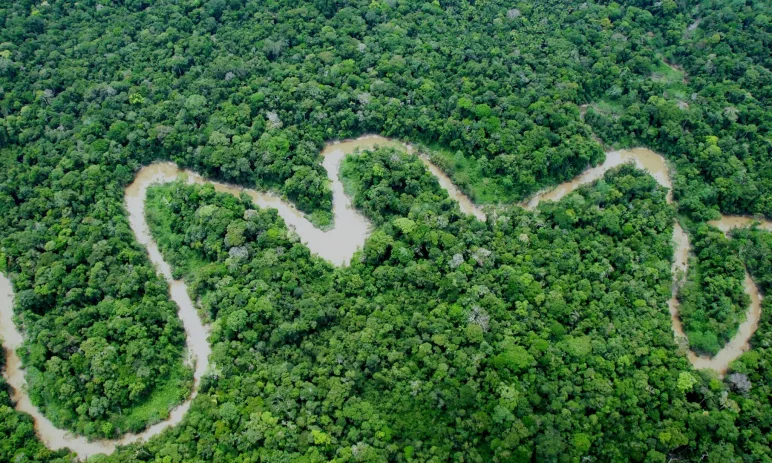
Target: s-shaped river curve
338,246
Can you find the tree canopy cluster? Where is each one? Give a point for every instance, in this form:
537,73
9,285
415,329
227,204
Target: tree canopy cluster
713,300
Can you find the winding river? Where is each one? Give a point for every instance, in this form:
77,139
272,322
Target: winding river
338,246
657,166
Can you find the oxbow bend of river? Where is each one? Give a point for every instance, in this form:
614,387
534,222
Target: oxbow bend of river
338,246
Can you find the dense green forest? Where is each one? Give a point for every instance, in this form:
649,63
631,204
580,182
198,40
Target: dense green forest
756,251
713,301
445,337
532,337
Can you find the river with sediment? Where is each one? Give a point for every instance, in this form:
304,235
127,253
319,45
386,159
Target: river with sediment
337,245
657,166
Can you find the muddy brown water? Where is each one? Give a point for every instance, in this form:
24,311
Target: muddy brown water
337,245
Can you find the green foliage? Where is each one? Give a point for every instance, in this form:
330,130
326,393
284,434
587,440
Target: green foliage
756,364
387,184
686,382
447,339
102,337
755,247
708,113
713,300
515,358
